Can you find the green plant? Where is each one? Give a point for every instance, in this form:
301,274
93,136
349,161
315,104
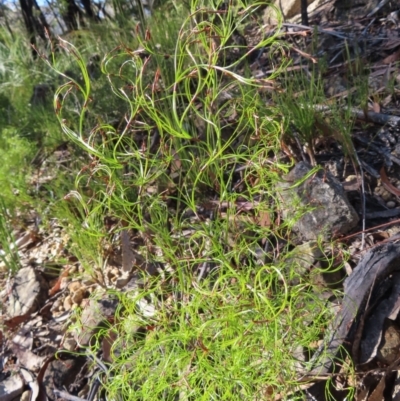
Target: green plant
311,118
188,169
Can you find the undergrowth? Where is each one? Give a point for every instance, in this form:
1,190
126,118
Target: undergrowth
178,147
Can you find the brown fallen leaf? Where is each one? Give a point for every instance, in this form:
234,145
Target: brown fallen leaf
387,184
264,219
392,58
376,107
107,344
57,286
16,320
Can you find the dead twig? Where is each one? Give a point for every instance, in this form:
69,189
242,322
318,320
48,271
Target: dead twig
377,8
320,30
377,118
67,396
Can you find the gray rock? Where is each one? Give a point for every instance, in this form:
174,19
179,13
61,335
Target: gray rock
95,314
28,292
328,209
302,258
11,387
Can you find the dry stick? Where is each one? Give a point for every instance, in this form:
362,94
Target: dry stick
304,14
386,183
377,8
363,199
320,30
67,396
377,118
372,228
365,30
384,214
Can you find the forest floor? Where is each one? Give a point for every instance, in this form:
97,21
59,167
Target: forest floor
194,294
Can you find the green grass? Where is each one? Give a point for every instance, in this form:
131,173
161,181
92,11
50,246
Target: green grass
180,149
231,332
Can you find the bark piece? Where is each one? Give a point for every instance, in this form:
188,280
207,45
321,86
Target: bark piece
379,331
360,288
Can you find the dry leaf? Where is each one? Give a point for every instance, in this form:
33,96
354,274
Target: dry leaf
377,394
264,219
57,286
16,320
376,107
387,184
392,58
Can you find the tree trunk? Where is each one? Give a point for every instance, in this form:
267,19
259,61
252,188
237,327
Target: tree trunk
304,14
35,22
89,10
50,5
72,15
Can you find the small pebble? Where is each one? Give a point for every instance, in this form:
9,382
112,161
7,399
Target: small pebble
69,344
74,286
351,177
67,303
64,282
56,305
386,196
73,269
25,396
88,282
391,204
3,267
77,296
